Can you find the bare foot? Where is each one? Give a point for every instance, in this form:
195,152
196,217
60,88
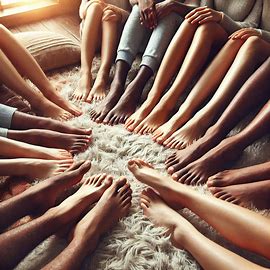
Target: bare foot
26,121
37,168
98,91
83,89
15,149
47,138
57,99
163,216
136,118
48,109
186,135
213,161
256,194
155,119
182,158
98,114
45,193
167,129
125,106
240,176
145,173
112,206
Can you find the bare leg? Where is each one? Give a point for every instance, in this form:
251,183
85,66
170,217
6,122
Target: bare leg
27,66
206,37
130,98
251,194
110,208
110,28
201,91
15,149
254,93
90,37
117,89
241,226
40,104
209,255
33,168
26,121
251,55
176,50
13,243
41,196
227,151
47,138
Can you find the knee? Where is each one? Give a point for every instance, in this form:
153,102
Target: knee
207,30
254,44
111,15
96,5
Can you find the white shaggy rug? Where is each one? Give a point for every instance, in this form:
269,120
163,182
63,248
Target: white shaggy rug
134,244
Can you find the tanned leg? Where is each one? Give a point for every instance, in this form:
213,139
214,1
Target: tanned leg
206,37
33,168
241,226
110,28
251,55
203,89
130,99
41,196
117,89
40,104
254,93
251,194
26,65
209,255
227,151
15,149
90,36
47,138
17,243
23,121
177,51
113,205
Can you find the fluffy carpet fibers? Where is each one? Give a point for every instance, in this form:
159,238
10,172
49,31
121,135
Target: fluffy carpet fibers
134,243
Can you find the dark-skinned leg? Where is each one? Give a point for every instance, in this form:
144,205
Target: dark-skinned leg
130,99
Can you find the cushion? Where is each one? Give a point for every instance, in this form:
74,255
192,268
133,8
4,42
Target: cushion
51,50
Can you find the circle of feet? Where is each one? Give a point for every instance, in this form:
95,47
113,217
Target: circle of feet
134,243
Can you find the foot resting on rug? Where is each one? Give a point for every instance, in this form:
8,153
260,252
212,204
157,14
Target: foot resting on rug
184,235
251,194
216,160
98,91
47,138
55,219
43,195
83,89
112,206
33,168
182,158
25,121
236,224
15,149
130,99
240,176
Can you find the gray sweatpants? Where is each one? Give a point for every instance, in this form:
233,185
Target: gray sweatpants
6,114
155,41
